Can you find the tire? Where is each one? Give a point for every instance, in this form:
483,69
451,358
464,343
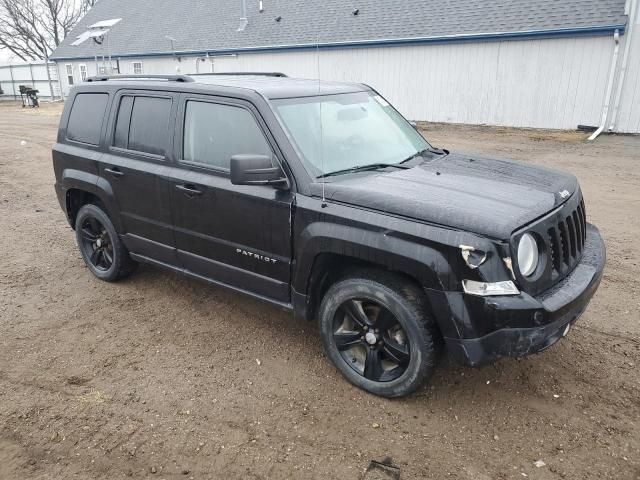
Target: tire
100,246
407,353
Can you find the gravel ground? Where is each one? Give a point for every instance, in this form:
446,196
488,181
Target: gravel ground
158,376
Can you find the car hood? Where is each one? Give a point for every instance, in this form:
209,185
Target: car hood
483,195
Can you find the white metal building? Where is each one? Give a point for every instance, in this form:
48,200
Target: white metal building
522,63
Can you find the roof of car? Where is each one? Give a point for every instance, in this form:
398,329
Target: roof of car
281,87
267,85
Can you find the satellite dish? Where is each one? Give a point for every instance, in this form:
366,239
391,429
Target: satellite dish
96,31
106,23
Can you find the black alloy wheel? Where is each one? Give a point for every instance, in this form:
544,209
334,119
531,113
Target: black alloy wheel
97,244
102,249
371,340
378,331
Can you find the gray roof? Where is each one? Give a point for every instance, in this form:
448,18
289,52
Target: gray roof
212,25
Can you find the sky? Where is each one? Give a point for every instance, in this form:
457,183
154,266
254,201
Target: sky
7,57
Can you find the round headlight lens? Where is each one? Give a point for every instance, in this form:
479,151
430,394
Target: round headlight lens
527,254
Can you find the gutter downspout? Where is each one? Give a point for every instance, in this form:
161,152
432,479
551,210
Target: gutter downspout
625,60
607,100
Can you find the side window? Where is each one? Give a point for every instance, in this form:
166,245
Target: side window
213,133
86,117
142,124
121,136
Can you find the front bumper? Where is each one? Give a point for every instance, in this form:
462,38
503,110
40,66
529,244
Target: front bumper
527,324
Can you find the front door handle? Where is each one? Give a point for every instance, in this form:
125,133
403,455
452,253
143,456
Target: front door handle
115,171
189,189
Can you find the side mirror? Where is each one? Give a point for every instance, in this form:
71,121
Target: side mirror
255,170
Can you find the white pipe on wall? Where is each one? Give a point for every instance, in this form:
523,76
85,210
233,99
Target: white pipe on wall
625,61
607,99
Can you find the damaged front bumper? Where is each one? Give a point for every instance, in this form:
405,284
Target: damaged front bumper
522,324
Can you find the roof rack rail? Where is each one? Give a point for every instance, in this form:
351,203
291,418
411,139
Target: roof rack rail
168,78
251,74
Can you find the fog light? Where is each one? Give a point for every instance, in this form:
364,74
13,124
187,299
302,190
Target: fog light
486,289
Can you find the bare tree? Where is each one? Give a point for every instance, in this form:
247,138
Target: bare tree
32,29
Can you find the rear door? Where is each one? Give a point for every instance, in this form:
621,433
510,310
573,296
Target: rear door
140,146
236,235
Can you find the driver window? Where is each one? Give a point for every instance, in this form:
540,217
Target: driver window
213,133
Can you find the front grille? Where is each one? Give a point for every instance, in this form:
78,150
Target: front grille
563,233
566,240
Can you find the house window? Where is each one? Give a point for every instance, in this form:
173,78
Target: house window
102,70
137,68
83,72
69,68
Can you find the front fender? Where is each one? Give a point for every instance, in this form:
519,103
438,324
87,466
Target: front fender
422,262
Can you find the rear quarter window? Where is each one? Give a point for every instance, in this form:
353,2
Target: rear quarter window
86,117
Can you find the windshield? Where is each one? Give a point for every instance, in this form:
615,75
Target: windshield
341,132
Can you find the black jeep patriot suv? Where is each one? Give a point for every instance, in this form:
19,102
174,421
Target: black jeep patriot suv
322,199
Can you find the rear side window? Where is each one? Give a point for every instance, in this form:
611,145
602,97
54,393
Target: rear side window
142,124
213,133
86,117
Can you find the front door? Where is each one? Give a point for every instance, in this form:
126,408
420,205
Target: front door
140,146
239,236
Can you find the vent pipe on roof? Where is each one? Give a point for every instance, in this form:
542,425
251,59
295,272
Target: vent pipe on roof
244,21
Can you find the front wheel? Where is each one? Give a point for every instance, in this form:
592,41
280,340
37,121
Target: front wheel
100,246
379,334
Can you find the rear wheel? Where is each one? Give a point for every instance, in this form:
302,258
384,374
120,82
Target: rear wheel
100,246
379,334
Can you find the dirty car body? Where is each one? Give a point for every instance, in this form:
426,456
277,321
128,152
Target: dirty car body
501,251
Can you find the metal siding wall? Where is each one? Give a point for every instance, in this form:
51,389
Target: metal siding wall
628,120
549,83
553,83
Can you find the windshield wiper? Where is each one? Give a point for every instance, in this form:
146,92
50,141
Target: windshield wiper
436,151
360,168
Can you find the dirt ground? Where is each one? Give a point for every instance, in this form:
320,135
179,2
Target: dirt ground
157,376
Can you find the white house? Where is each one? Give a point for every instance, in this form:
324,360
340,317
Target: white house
522,63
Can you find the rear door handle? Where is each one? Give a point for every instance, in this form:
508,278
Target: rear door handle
115,171
189,189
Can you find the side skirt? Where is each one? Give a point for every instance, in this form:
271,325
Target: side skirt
141,258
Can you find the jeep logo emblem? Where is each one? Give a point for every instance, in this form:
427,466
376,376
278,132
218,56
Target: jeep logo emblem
257,256
565,194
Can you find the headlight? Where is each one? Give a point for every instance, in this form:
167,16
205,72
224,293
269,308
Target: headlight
527,254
